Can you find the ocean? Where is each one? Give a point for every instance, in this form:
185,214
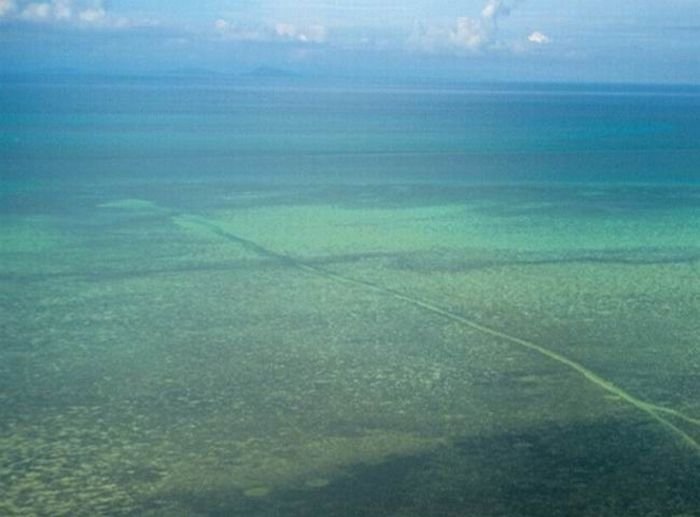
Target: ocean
250,296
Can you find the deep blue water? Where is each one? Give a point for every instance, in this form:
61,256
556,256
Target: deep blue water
305,132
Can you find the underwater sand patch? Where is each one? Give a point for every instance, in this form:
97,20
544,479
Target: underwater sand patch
257,491
133,204
317,483
661,415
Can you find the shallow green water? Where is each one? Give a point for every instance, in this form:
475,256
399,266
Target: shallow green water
225,300
161,359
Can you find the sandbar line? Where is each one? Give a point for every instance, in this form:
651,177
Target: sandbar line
652,410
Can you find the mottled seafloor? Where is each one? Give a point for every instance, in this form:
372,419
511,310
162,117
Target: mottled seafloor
181,345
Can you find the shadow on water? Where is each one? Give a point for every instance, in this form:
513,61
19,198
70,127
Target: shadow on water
421,262
610,468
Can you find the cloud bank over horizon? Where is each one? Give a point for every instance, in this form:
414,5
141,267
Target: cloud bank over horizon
476,34
628,40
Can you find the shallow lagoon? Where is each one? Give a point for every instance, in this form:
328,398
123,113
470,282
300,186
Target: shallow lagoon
286,338
154,363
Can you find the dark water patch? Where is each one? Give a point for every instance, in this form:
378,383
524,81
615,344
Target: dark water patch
47,200
106,274
114,271
449,261
423,262
608,468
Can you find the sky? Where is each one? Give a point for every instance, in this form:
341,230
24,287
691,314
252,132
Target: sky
646,41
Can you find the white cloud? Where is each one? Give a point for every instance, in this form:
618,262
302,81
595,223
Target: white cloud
231,31
63,10
7,7
495,9
36,12
469,33
308,34
539,38
281,31
285,30
68,12
222,25
472,34
93,15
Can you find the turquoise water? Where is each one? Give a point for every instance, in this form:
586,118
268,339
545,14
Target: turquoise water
326,299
